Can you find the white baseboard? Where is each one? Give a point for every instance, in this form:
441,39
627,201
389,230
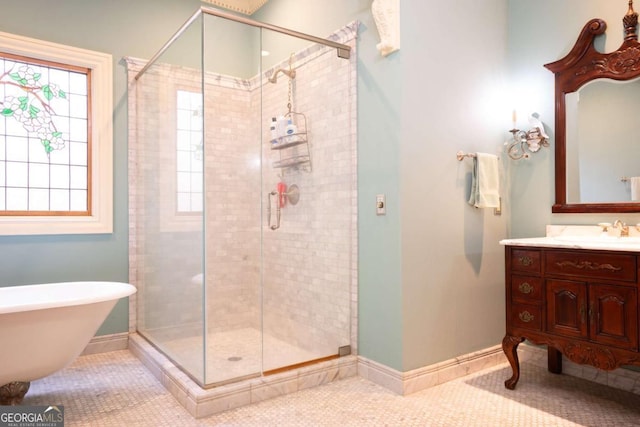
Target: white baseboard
105,343
404,383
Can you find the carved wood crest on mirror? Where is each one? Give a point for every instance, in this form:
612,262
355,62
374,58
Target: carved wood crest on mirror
593,177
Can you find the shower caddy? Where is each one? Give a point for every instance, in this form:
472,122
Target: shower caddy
294,148
290,157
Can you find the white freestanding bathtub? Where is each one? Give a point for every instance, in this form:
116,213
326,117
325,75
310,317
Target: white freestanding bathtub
43,328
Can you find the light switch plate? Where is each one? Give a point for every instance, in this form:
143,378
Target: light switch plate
381,205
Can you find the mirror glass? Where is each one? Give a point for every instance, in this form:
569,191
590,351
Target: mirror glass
602,141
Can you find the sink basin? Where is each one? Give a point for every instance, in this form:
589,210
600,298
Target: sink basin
606,240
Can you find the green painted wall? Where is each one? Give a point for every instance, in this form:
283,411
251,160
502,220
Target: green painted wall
119,27
431,270
431,279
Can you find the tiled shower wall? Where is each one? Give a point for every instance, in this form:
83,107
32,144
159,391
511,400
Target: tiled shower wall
232,184
309,282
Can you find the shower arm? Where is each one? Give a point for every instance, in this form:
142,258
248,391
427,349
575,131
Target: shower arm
289,73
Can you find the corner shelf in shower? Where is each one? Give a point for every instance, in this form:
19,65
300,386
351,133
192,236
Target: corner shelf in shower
294,149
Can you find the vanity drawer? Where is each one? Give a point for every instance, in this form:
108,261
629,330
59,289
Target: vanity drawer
525,260
526,289
591,265
526,316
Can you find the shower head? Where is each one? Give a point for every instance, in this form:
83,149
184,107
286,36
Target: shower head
289,73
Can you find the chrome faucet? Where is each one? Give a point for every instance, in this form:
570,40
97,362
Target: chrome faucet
624,228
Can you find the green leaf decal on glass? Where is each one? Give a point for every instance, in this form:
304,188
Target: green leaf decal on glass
37,76
23,102
47,146
15,76
33,111
61,94
7,112
57,134
47,92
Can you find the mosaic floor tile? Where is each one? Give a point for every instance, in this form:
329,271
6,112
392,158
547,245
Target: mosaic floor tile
114,389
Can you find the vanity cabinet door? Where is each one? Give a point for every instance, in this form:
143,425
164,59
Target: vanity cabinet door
567,308
613,315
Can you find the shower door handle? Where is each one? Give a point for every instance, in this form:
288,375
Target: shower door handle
278,213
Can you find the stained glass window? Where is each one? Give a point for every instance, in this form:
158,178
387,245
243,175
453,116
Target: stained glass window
45,144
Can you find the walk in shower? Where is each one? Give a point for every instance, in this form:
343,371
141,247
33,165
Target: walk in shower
242,227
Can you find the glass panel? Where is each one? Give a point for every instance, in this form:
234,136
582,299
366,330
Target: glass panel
78,153
170,225
17,148
233,202
17,199
78,199
59,200
59,176
307,261
17,174
38,199
78,177
39,176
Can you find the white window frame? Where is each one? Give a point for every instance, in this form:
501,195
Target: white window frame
101,219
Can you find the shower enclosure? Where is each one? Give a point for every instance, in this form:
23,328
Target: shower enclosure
243,229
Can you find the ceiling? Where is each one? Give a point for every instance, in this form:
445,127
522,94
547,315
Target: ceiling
243,6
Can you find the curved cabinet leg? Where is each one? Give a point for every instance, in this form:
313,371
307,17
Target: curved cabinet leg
510,348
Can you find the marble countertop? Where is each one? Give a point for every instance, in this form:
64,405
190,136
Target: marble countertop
581,237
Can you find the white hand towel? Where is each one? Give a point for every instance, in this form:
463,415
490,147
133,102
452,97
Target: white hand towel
634,181
485,181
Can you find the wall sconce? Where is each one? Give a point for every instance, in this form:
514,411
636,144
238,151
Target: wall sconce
522,143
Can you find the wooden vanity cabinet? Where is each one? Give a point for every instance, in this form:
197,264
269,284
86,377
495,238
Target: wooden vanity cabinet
580,303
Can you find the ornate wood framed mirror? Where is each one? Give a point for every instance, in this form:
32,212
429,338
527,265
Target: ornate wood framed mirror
582,66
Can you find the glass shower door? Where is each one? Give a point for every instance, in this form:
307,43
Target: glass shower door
307,259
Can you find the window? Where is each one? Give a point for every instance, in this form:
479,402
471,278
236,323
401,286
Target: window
44,138
189,152
55,138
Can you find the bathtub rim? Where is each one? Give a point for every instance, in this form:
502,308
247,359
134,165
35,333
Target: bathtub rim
107,290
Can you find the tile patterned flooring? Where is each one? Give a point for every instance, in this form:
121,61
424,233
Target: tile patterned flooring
115,389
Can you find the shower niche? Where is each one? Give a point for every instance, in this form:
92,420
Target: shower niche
220,294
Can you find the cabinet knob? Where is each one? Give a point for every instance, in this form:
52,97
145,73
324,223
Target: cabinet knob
525,316
525,260
525,288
